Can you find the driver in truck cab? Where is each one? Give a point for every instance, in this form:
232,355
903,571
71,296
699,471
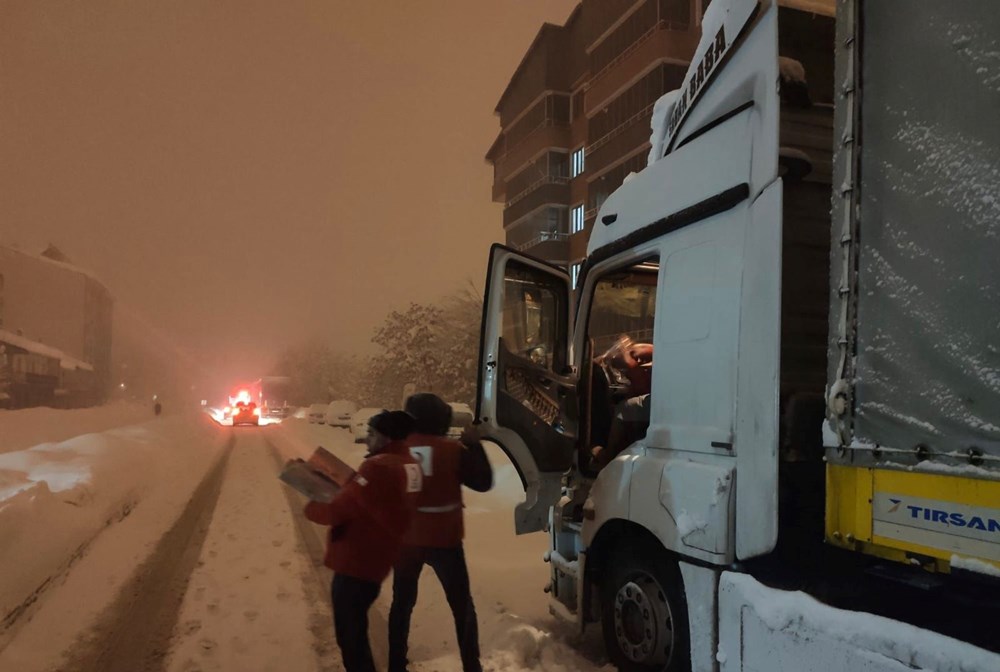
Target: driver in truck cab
634,362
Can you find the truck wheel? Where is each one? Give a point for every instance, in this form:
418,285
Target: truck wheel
644,612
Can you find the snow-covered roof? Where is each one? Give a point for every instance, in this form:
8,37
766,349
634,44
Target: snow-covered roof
60,264
65,361
71,363
26,343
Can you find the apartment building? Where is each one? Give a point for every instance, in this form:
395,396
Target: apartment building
575,117
50,302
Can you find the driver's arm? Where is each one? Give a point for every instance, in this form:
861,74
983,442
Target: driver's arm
638,354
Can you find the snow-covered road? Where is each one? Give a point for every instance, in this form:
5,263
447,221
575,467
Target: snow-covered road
171,545
252,599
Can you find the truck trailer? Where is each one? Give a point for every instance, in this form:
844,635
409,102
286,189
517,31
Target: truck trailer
810,257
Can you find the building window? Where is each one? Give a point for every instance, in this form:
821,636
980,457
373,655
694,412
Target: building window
576,219
576,162
574,274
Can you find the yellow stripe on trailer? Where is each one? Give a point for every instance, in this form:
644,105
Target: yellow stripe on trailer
913,517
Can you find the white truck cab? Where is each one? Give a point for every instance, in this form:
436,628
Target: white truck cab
718,255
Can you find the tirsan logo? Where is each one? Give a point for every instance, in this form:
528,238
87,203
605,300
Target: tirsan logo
945,517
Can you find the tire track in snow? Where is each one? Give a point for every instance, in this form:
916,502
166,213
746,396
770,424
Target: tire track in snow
134,633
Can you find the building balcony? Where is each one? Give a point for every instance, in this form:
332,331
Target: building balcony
548,245
499,190
547,191
619,142
549,135
656,44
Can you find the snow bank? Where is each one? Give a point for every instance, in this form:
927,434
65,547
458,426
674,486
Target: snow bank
518,647
811,624
55,498
29,427
974,565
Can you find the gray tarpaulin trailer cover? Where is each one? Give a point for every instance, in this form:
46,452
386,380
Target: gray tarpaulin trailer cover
917,207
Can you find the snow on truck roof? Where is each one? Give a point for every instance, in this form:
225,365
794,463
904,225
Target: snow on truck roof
642,199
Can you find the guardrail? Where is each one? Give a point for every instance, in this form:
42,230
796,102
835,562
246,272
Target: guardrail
548,179
620,128
543,237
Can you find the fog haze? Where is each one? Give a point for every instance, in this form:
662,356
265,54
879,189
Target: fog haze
246,175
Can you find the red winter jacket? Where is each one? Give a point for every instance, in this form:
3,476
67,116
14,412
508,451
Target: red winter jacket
446,465
369,516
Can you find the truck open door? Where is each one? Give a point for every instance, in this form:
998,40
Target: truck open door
526,401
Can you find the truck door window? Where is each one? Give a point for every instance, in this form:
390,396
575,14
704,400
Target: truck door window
624,303
620,337
534,316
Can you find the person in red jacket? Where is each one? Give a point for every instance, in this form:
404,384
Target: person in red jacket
435,536
367,521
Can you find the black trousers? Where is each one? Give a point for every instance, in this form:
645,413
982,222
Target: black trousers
351,600
449,565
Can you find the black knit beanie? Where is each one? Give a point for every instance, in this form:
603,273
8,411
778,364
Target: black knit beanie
432,415
397,425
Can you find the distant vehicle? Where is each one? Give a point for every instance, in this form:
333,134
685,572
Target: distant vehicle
317,413
245,413
278,411
461,417
359,423
274,393
339,413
